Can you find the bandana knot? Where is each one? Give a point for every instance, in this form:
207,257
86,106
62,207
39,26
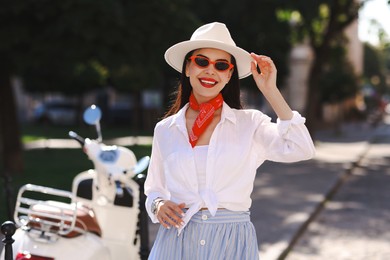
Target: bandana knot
206,114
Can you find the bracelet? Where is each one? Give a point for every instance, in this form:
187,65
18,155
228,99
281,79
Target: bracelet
155,204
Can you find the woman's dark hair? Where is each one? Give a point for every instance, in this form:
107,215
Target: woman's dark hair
230,93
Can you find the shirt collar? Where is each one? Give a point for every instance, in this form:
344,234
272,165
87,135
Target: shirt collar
227,113
179,118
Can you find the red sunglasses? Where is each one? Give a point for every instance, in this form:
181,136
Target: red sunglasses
204,62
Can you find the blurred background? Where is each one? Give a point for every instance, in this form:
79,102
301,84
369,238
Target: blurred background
58,57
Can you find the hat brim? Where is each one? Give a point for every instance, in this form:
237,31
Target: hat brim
175,55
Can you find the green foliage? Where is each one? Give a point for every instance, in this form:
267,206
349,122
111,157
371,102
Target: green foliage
318,20
321,23
386,51
75,45
338,81
376,63
372,61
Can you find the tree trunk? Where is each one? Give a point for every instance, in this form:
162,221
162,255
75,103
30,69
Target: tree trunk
313,103
10,143
321,54
313,97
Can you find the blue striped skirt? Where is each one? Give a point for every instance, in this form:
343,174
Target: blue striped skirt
227,235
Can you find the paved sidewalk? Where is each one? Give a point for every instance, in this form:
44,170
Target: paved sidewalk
285,196
296,191
355,224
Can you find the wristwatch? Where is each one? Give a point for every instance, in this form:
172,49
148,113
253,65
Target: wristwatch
155,203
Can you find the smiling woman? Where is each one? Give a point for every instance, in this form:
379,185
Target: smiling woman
207,149
207,81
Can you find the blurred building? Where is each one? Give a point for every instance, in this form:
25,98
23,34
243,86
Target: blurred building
355,48
301,57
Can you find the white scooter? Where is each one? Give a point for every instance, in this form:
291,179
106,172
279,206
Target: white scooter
103,218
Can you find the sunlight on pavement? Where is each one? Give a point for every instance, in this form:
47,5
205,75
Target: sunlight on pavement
339,152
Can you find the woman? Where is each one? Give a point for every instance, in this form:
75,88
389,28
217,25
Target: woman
206,150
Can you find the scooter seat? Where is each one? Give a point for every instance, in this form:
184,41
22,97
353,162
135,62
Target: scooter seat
85,217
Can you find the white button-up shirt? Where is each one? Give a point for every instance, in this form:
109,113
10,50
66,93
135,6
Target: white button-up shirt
240,143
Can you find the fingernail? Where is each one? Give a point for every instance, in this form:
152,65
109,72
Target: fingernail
177,226
183,215
168,227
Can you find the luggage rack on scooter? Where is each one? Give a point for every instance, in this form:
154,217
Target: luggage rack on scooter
47,216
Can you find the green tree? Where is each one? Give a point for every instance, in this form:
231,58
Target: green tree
72,46
374,68
322,22
338,80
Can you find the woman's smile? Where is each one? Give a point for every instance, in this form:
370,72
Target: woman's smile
208,82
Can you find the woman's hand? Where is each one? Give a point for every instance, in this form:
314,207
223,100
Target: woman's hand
266,82
266,79
170,214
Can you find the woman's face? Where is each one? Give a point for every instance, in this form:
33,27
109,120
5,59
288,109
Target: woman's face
207,81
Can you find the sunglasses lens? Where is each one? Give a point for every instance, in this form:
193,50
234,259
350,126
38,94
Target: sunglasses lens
202,62
220,65
205,62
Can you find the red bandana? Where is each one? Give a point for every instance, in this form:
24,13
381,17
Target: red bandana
206,114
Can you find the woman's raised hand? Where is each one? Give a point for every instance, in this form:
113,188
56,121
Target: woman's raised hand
266,78
266,82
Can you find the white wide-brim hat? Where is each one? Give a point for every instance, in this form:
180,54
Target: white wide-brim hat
213,35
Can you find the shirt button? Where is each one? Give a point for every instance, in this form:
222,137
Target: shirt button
202,242
204,217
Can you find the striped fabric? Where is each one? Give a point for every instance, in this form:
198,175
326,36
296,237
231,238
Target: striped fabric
227,235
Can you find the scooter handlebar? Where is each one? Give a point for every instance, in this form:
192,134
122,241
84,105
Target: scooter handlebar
76,137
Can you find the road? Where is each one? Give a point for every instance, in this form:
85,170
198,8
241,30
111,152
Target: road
355,224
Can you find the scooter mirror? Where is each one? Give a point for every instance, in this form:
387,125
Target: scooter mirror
92,115
141,165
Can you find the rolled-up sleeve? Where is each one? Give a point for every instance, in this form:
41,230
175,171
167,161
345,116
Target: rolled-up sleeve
285,140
